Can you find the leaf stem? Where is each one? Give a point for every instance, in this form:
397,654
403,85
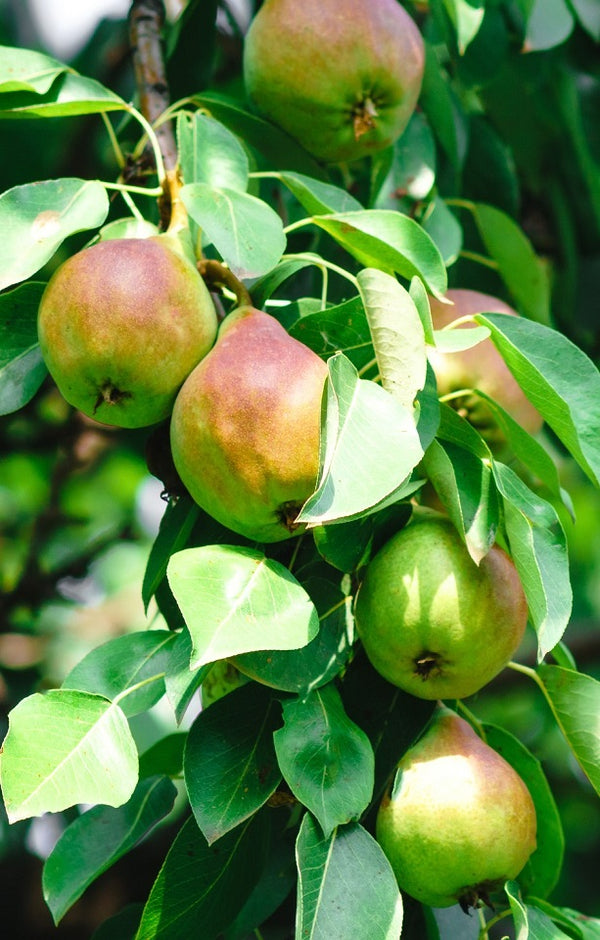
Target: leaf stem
480,259
321,263
484,932
119,156
139,190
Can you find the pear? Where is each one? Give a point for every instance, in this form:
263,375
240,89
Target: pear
340,77
121,324
480,367
434,623
245,427
459,820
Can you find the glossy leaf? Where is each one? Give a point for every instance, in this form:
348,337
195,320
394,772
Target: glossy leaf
200,888
120,664
539,550
70,95
466,18
175,528
389,241
22,369
413,167
543,869
342,328
397,332
211,154
575,700
27,70
346,887
275,884
550,23
369,448
326,759
442,109
229,766
319,198
544,363
235,600
465,485
36,217
444,229
230,220
164,757
66,747
523,272
454,340
181,681
98,838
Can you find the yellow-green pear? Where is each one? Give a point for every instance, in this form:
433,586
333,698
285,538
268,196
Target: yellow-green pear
432,621
340,76
245,427
480,367
121,324
459,821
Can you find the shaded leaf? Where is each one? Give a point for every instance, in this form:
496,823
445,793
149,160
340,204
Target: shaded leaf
66,747
69,95
235,600
181,681
175,527
98,838
326,759
22,368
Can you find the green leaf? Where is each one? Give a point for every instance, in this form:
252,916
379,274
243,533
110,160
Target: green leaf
397,332
37,217
346,887
266,285
466,18
66,747
22,369
120,664
575,700
543,927
349,545
281,150
230,220
518,910
229,765
588,14
412,171
550,23
275,884
209,153
545,364
370,445
181,681
98,838
200,888
465,485
316,663
523,272
538,548
235,600
70,95
442,109
389,241
318,198
175,528
26,70
325,758
443,227
543,869
165,756
342,328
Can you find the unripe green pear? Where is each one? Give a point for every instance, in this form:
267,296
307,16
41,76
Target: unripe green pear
434,623
121,325
480,367
341,76
245,427
459,821
222,679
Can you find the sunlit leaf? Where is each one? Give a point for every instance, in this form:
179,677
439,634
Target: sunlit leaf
209,153
235,600
318,198
66,747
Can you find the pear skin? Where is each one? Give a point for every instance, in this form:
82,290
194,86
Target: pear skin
342,78
459,821
480,367
121,325
434,623
245,427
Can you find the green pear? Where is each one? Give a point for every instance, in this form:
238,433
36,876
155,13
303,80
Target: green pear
434,623
459,820
121,324
480,367
340,77
222,679
245,427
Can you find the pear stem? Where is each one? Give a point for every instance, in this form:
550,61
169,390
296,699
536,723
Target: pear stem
217,275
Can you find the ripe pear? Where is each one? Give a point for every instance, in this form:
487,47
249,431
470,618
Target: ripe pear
459,820
434,623
480,367
121,324
245,427
341,77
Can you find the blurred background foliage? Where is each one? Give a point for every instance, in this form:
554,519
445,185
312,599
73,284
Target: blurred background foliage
78,508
